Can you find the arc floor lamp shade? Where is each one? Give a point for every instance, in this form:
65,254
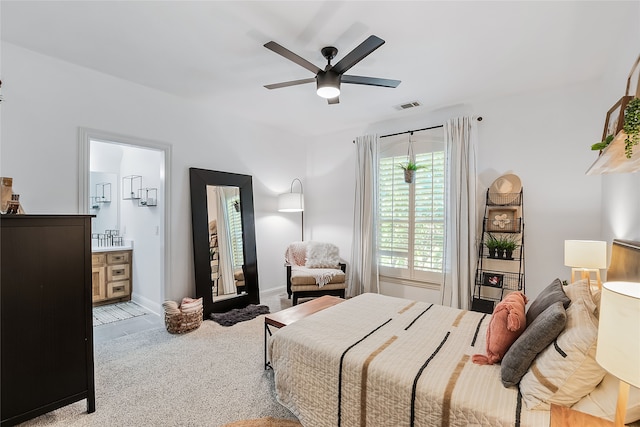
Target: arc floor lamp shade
291,202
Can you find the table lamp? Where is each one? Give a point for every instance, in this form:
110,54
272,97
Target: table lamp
618,350
585,256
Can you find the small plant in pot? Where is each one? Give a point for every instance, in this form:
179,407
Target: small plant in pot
410,169
492,244
506,245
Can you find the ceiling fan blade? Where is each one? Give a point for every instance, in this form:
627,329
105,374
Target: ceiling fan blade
290,83
292,56
357,54
335,100
370,81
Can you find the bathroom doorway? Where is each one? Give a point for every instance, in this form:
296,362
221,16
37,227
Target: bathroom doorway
123,181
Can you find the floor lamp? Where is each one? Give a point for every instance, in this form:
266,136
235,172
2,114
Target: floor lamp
293,202
585,256
618,349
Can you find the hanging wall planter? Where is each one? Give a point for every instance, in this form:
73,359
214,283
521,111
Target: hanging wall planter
410,167
409,172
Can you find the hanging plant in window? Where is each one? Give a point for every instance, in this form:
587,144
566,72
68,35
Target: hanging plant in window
410,167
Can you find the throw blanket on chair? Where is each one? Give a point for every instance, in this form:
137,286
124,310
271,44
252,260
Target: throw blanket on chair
296,253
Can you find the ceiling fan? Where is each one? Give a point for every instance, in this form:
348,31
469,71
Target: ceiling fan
328,80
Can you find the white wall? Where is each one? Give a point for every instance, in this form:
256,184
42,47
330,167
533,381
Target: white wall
142,225
620,195
46,100
543,137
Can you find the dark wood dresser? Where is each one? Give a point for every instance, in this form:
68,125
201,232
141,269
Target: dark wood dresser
46,349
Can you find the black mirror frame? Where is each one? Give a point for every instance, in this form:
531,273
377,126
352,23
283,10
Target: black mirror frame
199,180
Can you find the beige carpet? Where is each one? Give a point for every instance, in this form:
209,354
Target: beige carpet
265,422
208,377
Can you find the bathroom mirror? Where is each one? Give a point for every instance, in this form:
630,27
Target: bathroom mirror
224,248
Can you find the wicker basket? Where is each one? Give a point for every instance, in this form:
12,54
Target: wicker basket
183,322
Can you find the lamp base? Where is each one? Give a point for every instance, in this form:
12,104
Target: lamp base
585,273
621,405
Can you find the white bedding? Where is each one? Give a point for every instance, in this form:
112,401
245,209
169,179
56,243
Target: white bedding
382,361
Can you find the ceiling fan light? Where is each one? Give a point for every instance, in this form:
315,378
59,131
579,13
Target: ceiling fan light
328,85
328,92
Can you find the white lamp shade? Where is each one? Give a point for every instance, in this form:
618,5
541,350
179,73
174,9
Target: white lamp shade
291,202
619,331
585,254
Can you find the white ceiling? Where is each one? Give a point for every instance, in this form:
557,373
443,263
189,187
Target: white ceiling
445,53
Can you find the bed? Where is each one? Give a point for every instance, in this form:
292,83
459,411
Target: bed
383,361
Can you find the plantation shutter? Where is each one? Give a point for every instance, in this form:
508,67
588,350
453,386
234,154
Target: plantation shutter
235,231
411,216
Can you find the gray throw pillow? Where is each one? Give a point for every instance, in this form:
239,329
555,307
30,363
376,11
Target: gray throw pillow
551,294
538,336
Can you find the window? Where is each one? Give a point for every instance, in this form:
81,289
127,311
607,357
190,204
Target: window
235,230
411,216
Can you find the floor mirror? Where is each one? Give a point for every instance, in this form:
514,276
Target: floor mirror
224,243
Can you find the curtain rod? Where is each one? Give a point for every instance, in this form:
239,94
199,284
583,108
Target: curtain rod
479,118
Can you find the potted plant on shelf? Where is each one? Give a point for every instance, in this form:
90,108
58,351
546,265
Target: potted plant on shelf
492,244
630,126
410,169
506,245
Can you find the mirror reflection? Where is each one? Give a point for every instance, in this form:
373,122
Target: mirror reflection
225,241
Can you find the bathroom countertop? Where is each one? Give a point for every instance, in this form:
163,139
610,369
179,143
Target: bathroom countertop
126,247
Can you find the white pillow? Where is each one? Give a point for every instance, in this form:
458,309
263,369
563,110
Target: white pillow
322,255
581,291
566,370
601,402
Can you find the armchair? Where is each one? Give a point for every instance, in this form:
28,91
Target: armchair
314,269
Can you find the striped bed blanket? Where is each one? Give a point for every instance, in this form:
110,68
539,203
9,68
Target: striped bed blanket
376,360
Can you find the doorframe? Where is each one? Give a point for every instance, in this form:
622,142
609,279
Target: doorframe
85,135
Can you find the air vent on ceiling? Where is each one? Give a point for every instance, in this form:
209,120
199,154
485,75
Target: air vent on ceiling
408,105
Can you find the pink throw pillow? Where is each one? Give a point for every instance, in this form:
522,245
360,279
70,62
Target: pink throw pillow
506,325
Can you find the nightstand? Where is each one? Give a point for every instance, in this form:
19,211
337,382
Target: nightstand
561,416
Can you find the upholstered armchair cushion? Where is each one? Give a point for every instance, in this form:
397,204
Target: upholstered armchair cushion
306,276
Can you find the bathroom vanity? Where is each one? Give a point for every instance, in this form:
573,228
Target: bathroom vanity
111,274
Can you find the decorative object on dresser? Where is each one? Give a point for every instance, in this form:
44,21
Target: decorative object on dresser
9,201
618,348
500,267
111,276
585,257
46,320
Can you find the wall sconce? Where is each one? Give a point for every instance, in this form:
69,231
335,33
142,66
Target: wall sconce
585,256
618,349
293,202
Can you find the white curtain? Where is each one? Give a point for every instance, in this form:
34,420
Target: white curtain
226,284
460,212
363,272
